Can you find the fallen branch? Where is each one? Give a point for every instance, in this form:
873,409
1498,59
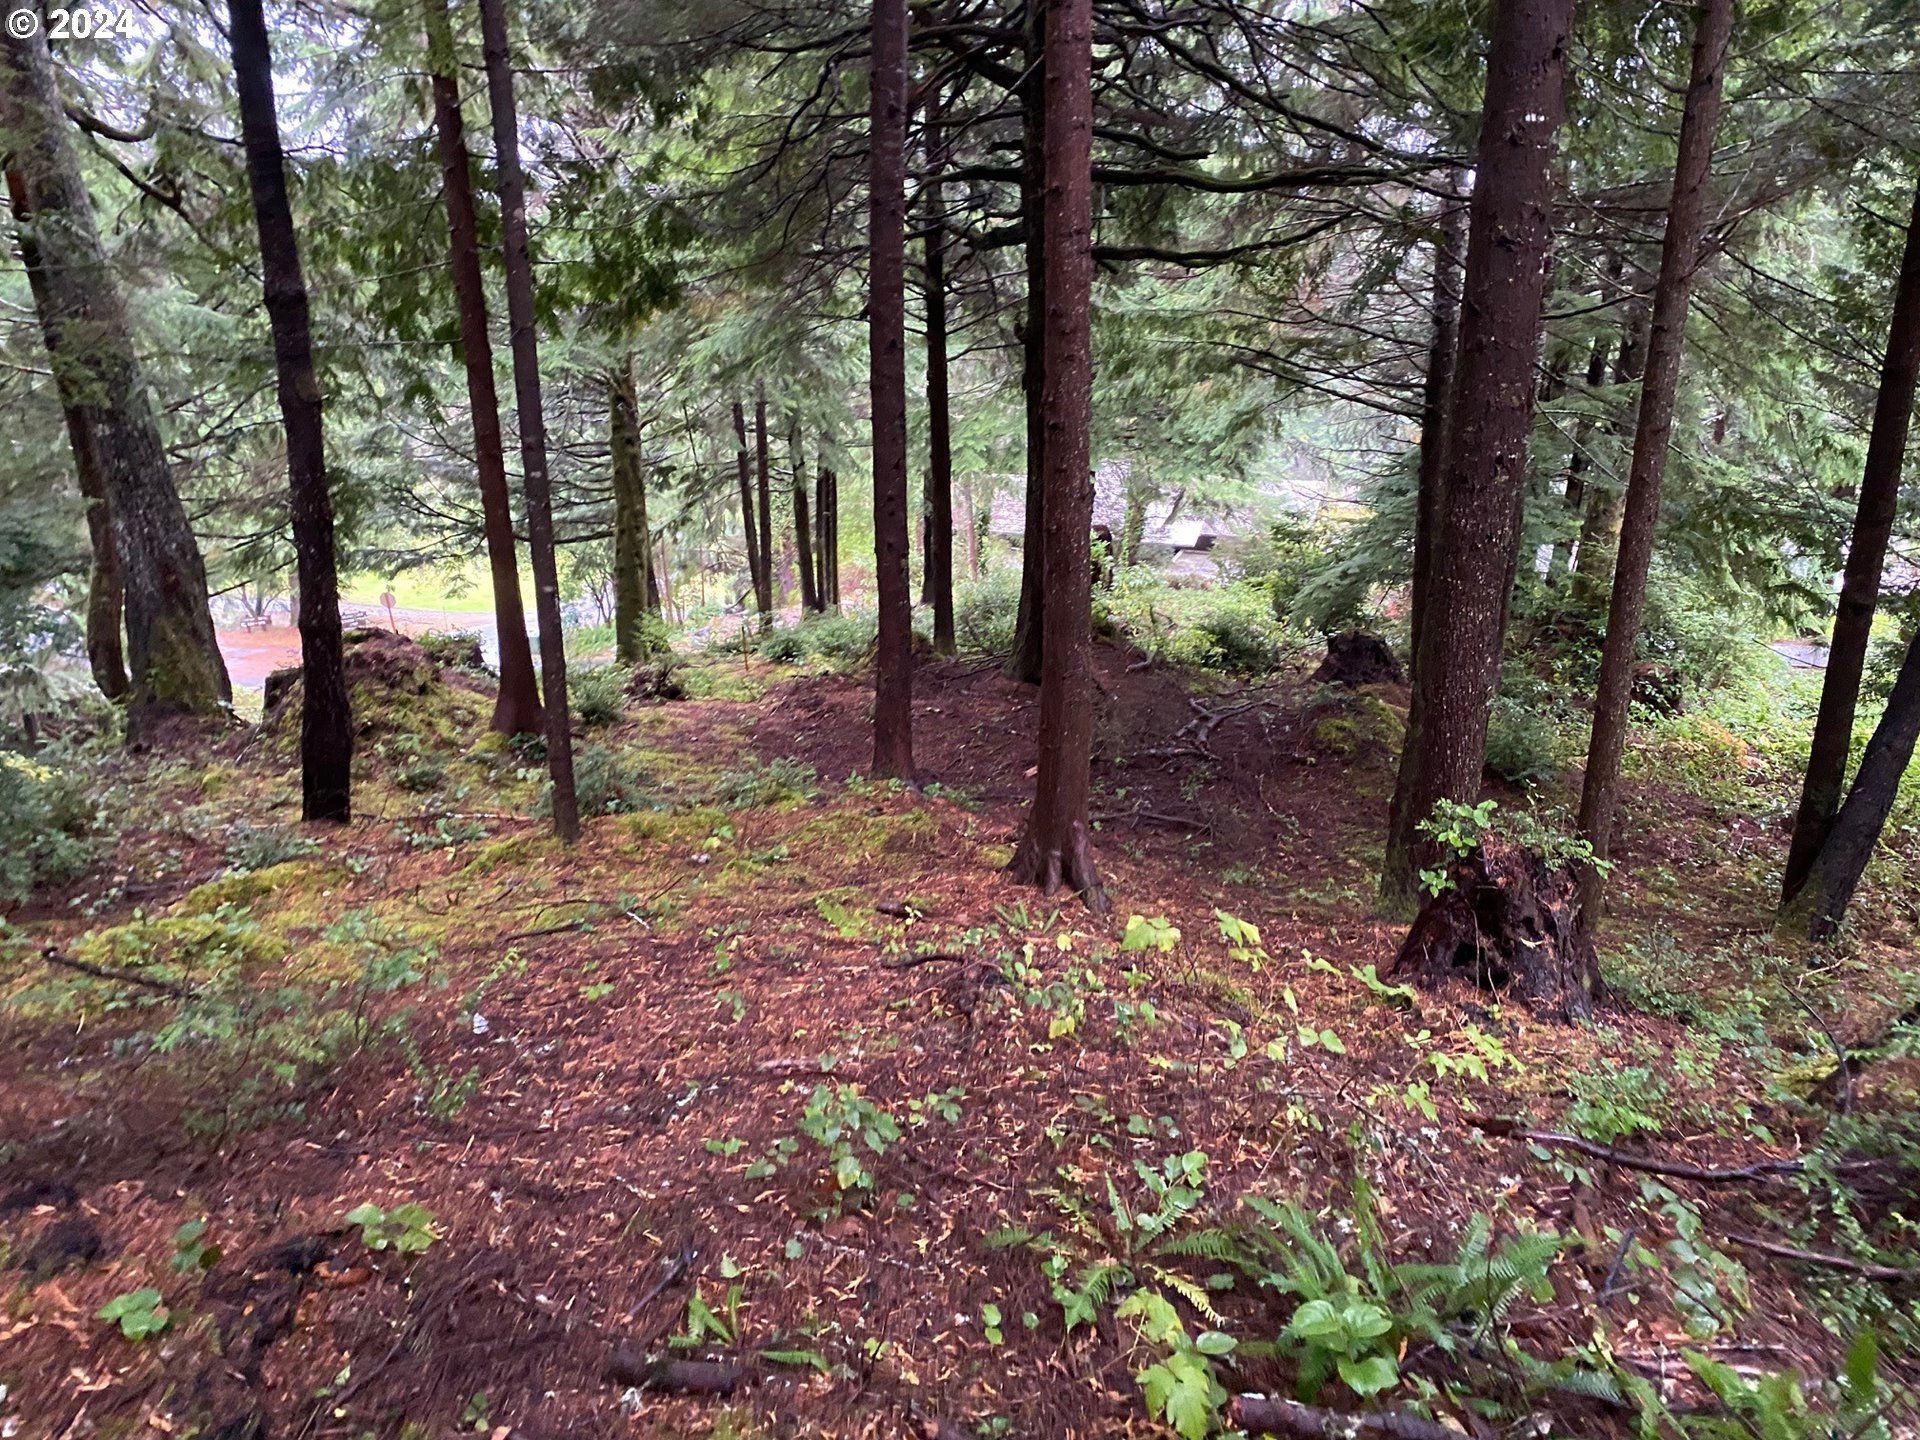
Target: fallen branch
1652,1165
672,1276
1890,1273
910,961
544,930
683,1377
1156,816
121,977
1308,1422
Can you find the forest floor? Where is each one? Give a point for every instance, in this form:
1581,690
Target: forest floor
776,1067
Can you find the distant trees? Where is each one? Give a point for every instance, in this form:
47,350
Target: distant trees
173,660
326,723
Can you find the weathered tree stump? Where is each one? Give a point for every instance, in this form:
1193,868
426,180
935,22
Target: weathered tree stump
1355,658
1510,924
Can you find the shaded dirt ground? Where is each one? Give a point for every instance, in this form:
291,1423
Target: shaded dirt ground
585,1057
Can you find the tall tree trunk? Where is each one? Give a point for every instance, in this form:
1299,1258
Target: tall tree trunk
887,346
767,594
105,593
749,528
937,556
1486,469
173,658
516,709
1666,342
968,507
833,538
822,532
1860,584
630,548
1029,625
533,425
1057,847
1822,899
326,722
1436,396
802,526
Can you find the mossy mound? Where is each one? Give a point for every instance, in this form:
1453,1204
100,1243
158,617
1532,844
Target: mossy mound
1358,727
395,686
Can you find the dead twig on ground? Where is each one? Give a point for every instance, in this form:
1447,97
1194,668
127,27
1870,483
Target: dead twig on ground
1651,1164
119,977
1892,1274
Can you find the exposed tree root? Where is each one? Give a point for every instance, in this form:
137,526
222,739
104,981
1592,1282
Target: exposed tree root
1066,866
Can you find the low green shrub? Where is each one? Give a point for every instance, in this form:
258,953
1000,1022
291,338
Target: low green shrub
48,818
606,782
1229,628
1522,742
984,611
840,637
260,847
599,695
768,784
455,649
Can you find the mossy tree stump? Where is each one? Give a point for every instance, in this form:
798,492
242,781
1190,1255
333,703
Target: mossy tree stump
1508,922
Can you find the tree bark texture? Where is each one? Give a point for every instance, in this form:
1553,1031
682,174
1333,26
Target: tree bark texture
516,709
1835,873
533,426
1510,228
766,592
1029,622
1437,396
105,592
802,525
1056,849
631,551
937,558
1599,542
173,658
749,528
1860,582
1666,344
326,720
887,351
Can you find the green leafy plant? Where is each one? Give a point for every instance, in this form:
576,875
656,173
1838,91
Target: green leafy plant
138,1313
1179,1388
1354,1318
191,1250
1242,938
409,1229
778,780
1149,933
